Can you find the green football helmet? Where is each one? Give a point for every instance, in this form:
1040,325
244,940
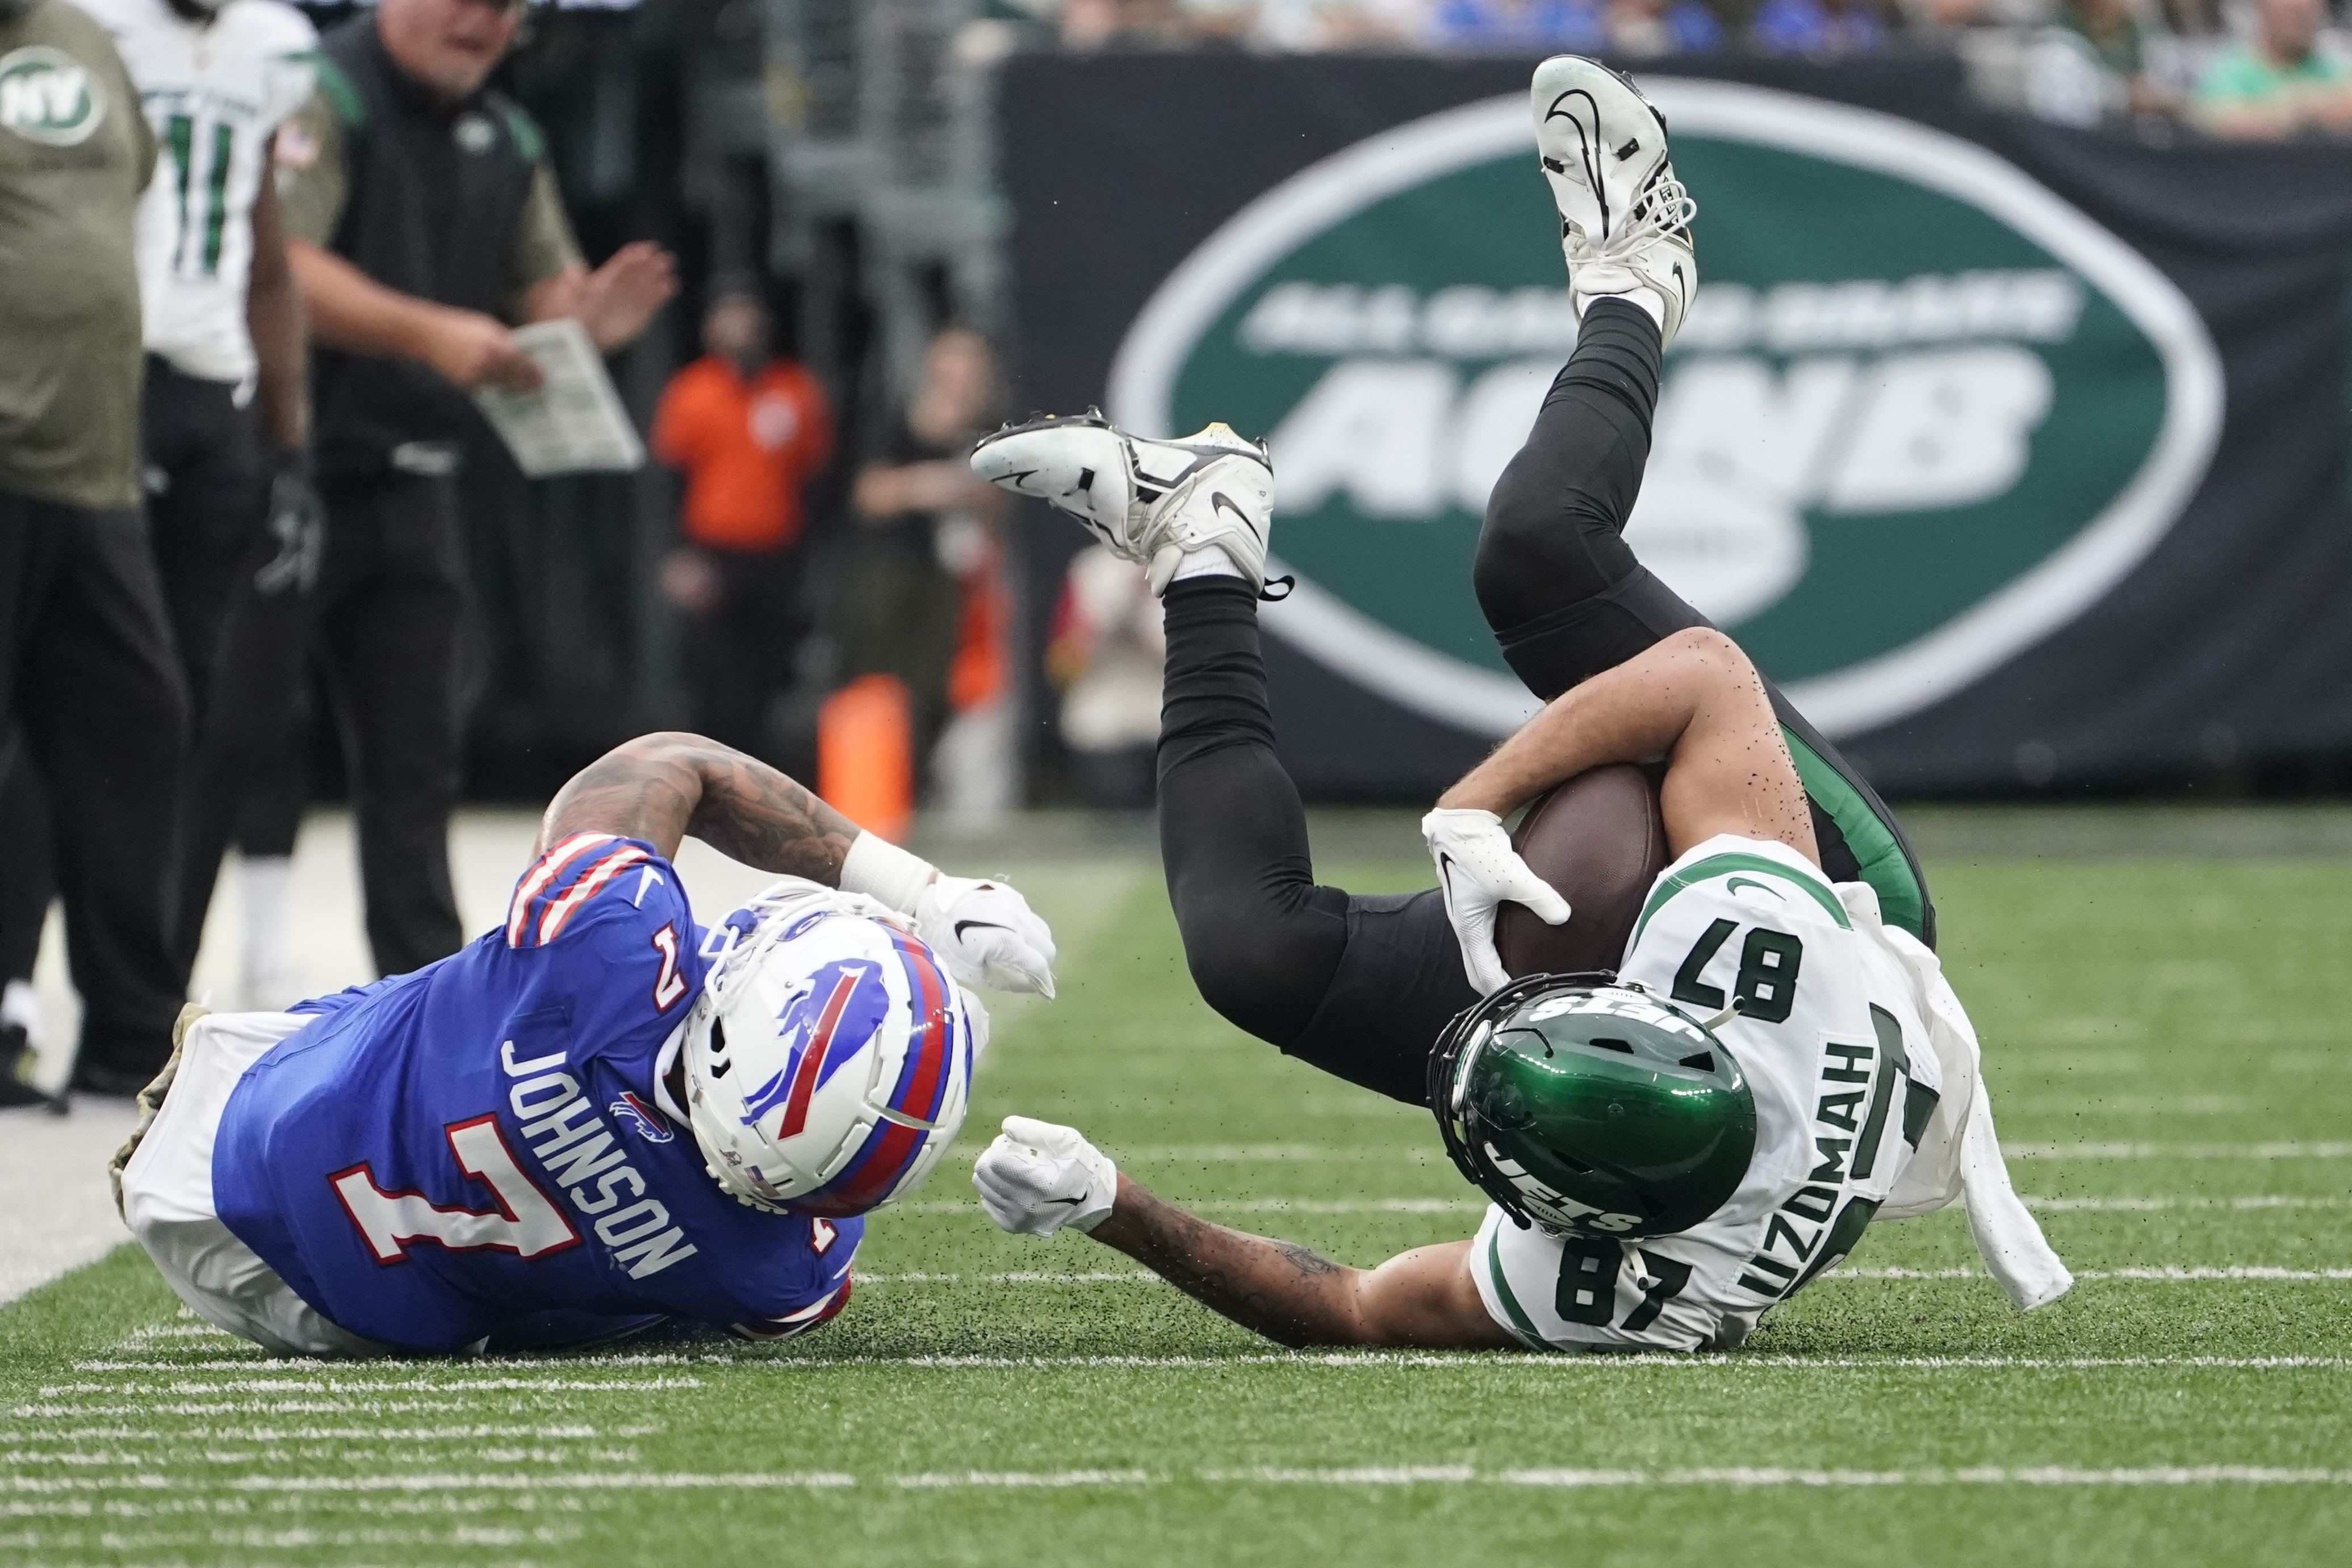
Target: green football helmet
1592,1108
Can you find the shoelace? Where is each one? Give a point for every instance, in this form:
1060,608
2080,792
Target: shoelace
1665,207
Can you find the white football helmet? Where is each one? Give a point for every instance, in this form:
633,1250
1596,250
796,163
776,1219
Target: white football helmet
830,1055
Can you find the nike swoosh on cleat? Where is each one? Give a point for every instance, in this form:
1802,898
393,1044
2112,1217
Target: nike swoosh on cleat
1221,502
963,926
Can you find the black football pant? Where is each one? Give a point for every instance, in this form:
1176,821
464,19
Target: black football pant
1361,986
207,519
209,509
382,624
92,681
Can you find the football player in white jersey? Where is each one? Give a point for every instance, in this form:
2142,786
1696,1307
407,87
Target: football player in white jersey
234,521
1669,1150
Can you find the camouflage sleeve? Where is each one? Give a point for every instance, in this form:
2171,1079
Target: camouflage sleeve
312,182
147,148
543,244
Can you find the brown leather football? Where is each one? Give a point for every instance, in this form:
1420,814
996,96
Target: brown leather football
1599,841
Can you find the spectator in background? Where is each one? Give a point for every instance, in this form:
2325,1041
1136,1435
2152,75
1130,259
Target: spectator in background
916,501
2090,64
750,430
1106,655
1308,24
229,502
1124,24
88,668
1647,29
1556,27
2279,82
1822,29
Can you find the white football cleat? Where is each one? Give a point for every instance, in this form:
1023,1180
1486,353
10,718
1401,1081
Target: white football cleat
1624,219
1151,502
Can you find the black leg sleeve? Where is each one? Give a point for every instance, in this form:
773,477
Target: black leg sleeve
1261,940
1551,538
1357,987
1567,600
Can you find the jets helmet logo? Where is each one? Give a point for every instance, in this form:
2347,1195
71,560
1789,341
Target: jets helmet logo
48,96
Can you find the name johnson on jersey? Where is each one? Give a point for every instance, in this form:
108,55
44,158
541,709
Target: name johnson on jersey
465,1151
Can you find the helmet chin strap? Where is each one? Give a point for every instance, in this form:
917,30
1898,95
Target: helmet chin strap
1720,1020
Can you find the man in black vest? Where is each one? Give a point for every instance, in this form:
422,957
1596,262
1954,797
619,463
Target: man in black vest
422,217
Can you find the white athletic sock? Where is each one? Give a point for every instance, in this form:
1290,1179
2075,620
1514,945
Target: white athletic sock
265,896
1208,560
20,1004
1651,302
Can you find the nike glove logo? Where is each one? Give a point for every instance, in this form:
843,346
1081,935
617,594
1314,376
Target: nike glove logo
963,926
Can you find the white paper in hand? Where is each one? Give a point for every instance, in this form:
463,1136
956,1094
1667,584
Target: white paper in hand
574,422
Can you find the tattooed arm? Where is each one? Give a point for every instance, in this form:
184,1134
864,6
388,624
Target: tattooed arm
659,787
1425,1297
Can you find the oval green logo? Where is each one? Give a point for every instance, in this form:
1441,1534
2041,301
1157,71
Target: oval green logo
48,96
1923,412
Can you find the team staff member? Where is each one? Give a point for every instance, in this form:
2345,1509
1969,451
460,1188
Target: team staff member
911,499
222,320
422,217
87,666
749,429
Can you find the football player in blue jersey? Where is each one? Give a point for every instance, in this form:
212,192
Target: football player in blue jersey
599,1116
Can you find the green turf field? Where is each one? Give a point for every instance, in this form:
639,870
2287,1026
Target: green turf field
2165,1043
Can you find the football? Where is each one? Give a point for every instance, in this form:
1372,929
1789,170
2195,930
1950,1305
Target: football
1599,841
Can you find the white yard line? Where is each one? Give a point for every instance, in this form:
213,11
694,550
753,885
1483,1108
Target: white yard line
1264,1475
1311,1359
1478,1206
2167,1274
1254,1154
2288,1151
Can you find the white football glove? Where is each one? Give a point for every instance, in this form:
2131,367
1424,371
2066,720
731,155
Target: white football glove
1039,1176
1479,871
986,934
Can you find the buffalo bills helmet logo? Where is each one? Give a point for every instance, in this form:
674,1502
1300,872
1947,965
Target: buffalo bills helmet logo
824,1024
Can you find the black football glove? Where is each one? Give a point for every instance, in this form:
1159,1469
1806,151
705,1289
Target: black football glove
297,526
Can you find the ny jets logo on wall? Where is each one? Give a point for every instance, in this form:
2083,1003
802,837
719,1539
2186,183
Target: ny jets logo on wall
48,96
1922,413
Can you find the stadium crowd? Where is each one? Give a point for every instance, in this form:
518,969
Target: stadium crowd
2239,69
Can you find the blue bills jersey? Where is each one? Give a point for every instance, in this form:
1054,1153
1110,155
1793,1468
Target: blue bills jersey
481,1148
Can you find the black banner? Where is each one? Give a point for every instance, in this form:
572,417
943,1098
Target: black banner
2017,453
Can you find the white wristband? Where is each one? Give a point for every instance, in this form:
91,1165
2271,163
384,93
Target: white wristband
884,873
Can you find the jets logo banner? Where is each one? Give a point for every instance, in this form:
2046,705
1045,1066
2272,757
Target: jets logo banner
1943,405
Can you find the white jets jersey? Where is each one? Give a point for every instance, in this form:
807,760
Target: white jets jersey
1832,1039
216,93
